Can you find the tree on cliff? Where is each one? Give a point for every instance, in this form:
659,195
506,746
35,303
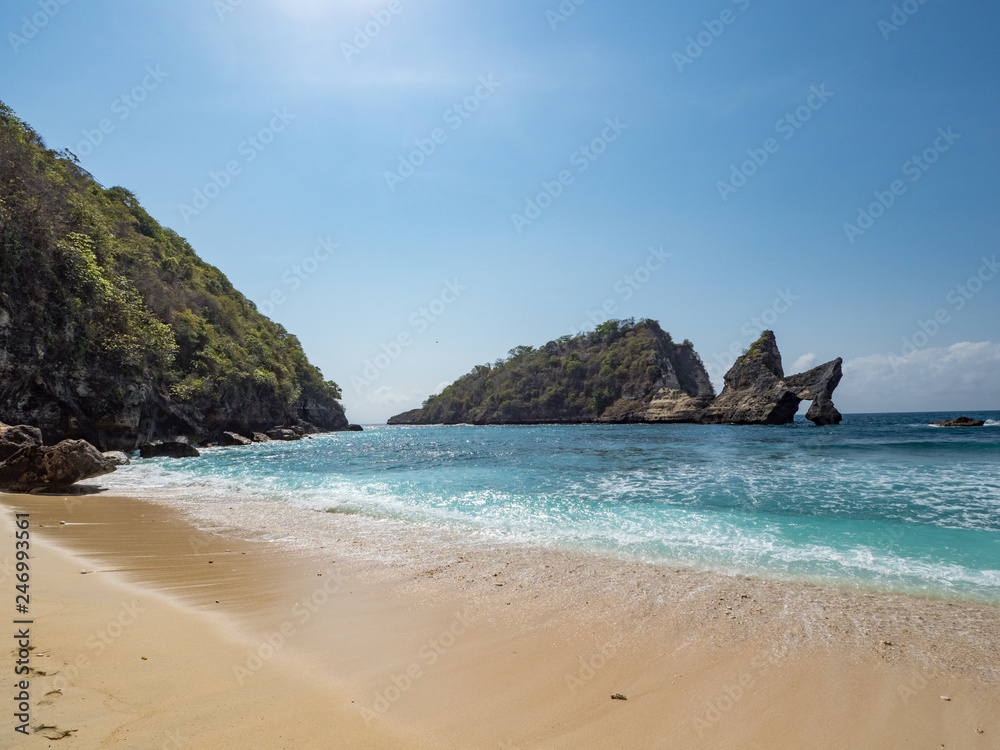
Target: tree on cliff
108,319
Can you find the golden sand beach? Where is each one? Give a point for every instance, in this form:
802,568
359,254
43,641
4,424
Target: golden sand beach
149,632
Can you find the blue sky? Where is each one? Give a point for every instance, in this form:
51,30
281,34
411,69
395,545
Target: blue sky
378,176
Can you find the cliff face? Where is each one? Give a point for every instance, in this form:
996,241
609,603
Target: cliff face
610,375
113,330
676,388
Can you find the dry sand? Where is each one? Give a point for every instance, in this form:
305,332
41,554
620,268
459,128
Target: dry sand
386,637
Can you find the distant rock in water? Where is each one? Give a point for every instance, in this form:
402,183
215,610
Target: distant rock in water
631,372
169,450
960,422
38,468
112,329
283,433
118,458
230,439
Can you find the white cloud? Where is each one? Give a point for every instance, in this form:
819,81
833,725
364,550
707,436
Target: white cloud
386,396
803,363
962,376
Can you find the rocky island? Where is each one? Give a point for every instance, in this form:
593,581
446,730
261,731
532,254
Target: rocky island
628,372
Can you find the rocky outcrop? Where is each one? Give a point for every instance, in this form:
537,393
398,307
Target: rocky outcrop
355,428
757,392
13,438
817,385
39,468
231,439
260,437
117,458
960,422
283,433
169,450
685,391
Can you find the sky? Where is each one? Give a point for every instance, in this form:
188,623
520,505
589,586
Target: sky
415,188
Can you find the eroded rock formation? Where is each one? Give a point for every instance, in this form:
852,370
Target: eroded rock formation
13,438
38,468
757,391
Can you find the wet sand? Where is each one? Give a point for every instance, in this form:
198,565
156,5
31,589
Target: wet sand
352,633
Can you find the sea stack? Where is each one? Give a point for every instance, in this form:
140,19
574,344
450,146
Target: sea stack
757,392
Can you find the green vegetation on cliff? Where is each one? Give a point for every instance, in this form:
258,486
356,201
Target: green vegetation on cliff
610,374
118,315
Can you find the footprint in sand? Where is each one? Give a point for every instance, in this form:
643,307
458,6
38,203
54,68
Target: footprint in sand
53,733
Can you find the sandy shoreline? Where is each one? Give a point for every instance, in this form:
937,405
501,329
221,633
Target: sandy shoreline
386,638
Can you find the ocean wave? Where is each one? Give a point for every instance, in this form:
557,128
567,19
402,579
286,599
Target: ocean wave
875,506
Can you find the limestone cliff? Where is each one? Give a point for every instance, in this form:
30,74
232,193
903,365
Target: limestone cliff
113,330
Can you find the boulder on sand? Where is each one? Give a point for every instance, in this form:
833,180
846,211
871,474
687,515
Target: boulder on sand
118,458
38,468
13,438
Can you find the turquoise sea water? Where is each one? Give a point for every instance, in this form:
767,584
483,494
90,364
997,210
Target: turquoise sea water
882,500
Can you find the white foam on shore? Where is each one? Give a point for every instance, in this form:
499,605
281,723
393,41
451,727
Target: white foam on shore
676,536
